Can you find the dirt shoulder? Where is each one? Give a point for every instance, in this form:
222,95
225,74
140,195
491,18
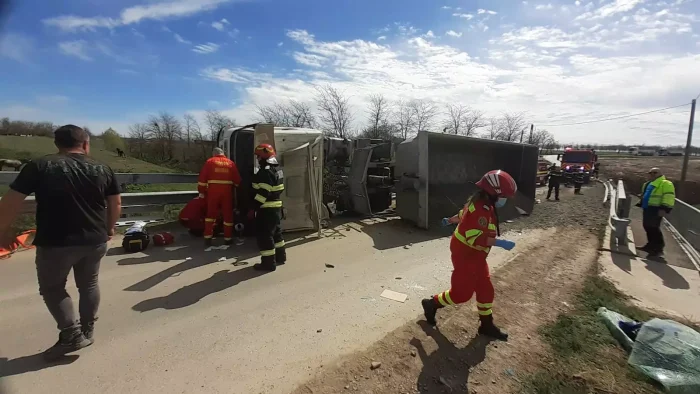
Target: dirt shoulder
531,291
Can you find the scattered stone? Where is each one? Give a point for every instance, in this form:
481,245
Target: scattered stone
398,278
406,247
375,364
330,265
319,330
347,387
493,381
413,353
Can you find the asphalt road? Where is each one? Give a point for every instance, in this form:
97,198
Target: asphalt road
176,325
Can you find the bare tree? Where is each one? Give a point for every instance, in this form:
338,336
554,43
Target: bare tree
404,119
513,126
473,120
494,128
542,138
455,117
378,112
334,107
138,133
424,113
165,129
292,114
216,122
190,131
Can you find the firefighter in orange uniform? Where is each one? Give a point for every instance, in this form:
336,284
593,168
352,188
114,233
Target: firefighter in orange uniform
476,233
216,182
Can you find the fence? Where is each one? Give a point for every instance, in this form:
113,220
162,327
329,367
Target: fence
685,219
149,207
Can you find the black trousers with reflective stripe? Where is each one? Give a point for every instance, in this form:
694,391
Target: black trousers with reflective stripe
269,235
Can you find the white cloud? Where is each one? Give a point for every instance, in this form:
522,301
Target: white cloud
234,33
308,59
127,71
181,40
17,47
483,11
225,21
453,33
279,44
465,16
446,7
207,48
218,26
137,33
608,10
578,3
381,38
547,6
429,34
156,10
78,48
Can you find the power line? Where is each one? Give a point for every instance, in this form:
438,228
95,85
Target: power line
614,118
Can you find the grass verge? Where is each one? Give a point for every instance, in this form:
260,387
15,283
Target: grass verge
584,357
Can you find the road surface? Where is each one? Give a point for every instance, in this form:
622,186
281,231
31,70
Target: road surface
176,325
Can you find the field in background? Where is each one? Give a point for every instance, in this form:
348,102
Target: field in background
16,147
633,170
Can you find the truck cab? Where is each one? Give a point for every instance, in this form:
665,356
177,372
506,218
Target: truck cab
578,161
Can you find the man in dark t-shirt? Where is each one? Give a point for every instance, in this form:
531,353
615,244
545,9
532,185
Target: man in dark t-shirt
77,207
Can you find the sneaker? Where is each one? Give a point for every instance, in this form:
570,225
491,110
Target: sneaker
88,330
69,341
239,241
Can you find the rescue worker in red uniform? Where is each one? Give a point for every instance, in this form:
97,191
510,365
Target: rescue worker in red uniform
268,184
193,214
476,233
216,182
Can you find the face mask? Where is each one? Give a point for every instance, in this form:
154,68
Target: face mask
501,202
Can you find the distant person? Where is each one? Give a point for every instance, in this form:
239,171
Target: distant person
658,199
216,182
555,177
578,182
78,205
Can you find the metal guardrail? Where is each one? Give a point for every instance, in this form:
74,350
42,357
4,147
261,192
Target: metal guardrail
620,205
685,218
140,204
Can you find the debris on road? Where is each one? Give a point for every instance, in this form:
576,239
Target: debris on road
222,247
398,278
375,365
393,295
319,330
222,259
413,353
330,265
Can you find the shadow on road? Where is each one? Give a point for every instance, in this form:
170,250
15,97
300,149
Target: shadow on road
389,233
671,278
32,363
448,366
191,294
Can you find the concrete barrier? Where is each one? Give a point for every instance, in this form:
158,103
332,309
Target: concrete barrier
620,238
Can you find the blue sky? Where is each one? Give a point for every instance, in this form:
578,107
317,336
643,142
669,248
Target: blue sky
105,63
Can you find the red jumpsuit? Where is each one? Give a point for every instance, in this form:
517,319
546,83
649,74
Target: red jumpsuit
469,251
216,180
193,214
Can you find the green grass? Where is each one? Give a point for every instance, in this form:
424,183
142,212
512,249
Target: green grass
585,358
14,147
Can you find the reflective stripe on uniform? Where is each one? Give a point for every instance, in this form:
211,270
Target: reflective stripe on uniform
228,224
227,239
201,184
271,204
461,212
260,199
462,239
208,220
270,252
484,309
220,182
208,236
444,298
486,313
279,244
484,306
267,187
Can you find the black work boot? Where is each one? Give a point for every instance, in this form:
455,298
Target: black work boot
208,242
267,263
69,341
489,329
430,308
280,256
228,242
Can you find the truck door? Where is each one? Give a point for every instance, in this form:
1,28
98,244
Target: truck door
296,196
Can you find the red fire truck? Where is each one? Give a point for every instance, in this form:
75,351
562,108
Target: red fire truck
575,161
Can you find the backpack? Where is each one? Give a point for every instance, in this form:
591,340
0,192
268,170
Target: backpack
136,238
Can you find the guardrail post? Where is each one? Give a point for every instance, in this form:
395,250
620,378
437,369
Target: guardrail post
619,218
624,202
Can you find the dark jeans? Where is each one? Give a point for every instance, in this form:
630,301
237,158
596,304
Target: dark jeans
652,225
269,235
53,264
554,186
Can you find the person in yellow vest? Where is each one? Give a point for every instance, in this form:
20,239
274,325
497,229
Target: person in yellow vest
658,199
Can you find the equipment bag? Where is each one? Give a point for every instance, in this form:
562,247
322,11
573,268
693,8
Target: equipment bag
136,238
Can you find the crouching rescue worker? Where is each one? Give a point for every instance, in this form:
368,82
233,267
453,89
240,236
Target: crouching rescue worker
476,233
268,184
216,182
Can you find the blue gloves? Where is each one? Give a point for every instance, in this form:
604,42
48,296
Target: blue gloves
504,243
445,222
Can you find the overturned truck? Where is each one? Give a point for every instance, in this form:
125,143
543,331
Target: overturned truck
431,175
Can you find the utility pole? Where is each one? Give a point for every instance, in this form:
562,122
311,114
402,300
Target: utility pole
532,127
688,144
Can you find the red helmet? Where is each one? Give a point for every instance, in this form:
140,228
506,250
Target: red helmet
265,151
498,183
